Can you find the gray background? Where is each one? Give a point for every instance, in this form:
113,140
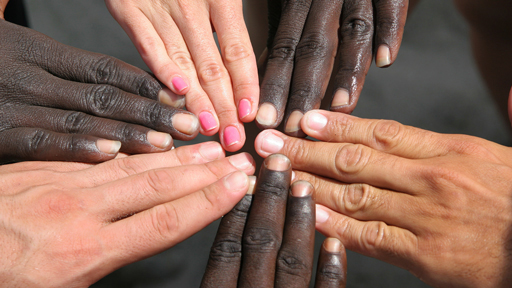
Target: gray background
434,85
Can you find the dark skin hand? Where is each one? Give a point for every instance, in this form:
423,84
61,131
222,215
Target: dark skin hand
267,240
304,39
62,103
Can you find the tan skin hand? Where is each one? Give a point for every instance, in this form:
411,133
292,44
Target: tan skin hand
437,205
3,4
69,224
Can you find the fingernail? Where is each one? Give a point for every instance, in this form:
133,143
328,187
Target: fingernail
315,121
236,181
321,214
267,115
244,108
341,98
179,84
277,162
271,143
332,245
231,136
210,151
159,139
301,189
241,161
383,57
293,175
293,123
207,120
168,97
252,184
185,123
108,146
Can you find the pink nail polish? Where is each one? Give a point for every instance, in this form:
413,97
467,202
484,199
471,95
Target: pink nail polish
179,84
207,120
231,136
244,108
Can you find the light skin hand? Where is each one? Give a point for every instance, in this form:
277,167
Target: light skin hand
437,205
69,224
175,39
3,4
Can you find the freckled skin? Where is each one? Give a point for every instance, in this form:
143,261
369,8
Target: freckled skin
56,101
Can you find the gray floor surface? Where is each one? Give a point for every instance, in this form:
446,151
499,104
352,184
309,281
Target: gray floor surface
433,85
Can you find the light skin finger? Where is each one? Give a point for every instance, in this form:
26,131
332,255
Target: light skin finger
332,265
163,226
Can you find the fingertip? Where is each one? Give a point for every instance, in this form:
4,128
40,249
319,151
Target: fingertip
333,245
341,98
232,138
111,147
277,162
267,116
180,85
211,151
301,189
322,214
292,126
186,123
209,123
245,111
166,96
314,122
236,182
383,57
268,142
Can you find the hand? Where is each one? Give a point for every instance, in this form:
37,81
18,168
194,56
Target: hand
273,244
175,39
69,224
437,205
304,39
62,103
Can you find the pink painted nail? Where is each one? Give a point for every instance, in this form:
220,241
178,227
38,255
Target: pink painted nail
179,84
244,108
207,120
231,136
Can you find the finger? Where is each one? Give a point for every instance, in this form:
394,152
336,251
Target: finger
226,252
144,34
154,187
374,238
275,85
264,229
21,144
238,57
213,75
383,135
355,53
350,163
389,29
135,164
332,265
314,60
295,258
134,138
156,229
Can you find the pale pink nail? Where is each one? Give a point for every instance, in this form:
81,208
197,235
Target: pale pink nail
179,84
231,136
207,120
315,121
332,245
244,108
321,214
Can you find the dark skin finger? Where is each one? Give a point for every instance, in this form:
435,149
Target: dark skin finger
295,258
332,265
314,61
264,229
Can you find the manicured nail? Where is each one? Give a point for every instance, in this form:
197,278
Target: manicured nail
168,97
108,146
341,98
315,121
207,120
252,184
244,108
277,162
185,123
241,161
271,143
293,123
302,188
383,58
332,245
236,181
179,84
231,136
321,214
210,151
267,115
159,139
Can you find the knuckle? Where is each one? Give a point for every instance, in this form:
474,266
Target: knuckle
290,263
298,153
37,141
358,27
356,197
156,181
106,70
153,114
283,49
75,122
236,51
315,46
387,133
273,190
373,235
103,99
226,250
164,221
147,86
261,239
182,59
211,71
58,203
331,273
352,158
